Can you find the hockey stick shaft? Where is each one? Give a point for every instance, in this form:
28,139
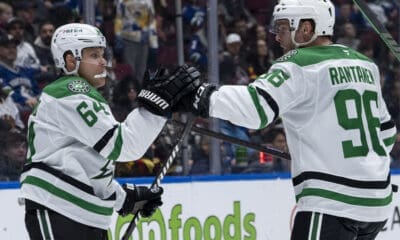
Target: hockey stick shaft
237,141
161,174
379,28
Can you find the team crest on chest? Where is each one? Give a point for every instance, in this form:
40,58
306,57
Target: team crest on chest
78,86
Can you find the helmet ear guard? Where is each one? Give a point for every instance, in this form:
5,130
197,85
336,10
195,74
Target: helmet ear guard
322,12
74,37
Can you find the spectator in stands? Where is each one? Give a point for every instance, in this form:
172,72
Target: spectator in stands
9,113
346,12
57,8
263,162
42,49
124,97
259,60
6,13
395,153
12,155
166,32
349,37
236,11
194,16
26,11
367,49
230,68
255,33
393,99
200,163
135,26
26,56
276,139
19,80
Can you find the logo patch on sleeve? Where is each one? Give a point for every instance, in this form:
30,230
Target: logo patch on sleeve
78,86
288,55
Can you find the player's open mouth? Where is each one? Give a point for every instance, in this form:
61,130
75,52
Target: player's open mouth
101,75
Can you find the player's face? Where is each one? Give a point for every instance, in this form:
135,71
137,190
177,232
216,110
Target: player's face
283,35
92,64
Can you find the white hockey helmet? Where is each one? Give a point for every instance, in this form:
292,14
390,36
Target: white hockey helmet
321,11
74,37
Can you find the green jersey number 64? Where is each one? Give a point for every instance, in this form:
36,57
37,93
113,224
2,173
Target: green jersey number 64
87,113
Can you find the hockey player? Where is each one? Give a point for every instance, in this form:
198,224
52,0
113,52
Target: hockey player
74,141
339,131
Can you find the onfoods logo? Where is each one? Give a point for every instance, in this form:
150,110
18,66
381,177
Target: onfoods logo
232,227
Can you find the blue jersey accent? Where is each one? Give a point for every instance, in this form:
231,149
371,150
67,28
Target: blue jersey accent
21,81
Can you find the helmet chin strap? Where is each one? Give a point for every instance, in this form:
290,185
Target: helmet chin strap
297,45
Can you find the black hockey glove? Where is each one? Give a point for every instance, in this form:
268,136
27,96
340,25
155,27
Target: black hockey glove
198,101
161,93
142,199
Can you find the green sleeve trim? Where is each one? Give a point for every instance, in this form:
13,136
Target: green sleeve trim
260,110
390,141
359,201
114,155
68,196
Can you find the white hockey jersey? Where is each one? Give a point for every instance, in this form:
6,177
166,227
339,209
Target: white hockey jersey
73,143
338,129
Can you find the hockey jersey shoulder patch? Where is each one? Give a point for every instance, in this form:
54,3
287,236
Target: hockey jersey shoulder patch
78,86
72,85
287,56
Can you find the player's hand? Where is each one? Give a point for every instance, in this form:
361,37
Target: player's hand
198,101
142,199
164,90
31,102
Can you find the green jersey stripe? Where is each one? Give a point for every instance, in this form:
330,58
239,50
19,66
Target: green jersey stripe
260,110
117,146
67,196
31,136
359,201
390,141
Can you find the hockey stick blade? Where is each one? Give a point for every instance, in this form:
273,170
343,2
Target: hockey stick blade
161,174
204,131
379,28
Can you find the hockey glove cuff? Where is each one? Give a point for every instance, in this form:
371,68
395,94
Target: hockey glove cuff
142,199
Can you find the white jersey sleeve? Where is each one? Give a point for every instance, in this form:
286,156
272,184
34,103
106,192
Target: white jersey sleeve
257,105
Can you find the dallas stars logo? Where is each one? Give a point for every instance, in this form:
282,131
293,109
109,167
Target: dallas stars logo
78,86
288,55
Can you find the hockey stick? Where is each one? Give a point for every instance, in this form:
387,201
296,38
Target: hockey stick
230,139
161,174
379,28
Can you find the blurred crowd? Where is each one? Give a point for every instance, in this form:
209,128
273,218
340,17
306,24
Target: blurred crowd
141,35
